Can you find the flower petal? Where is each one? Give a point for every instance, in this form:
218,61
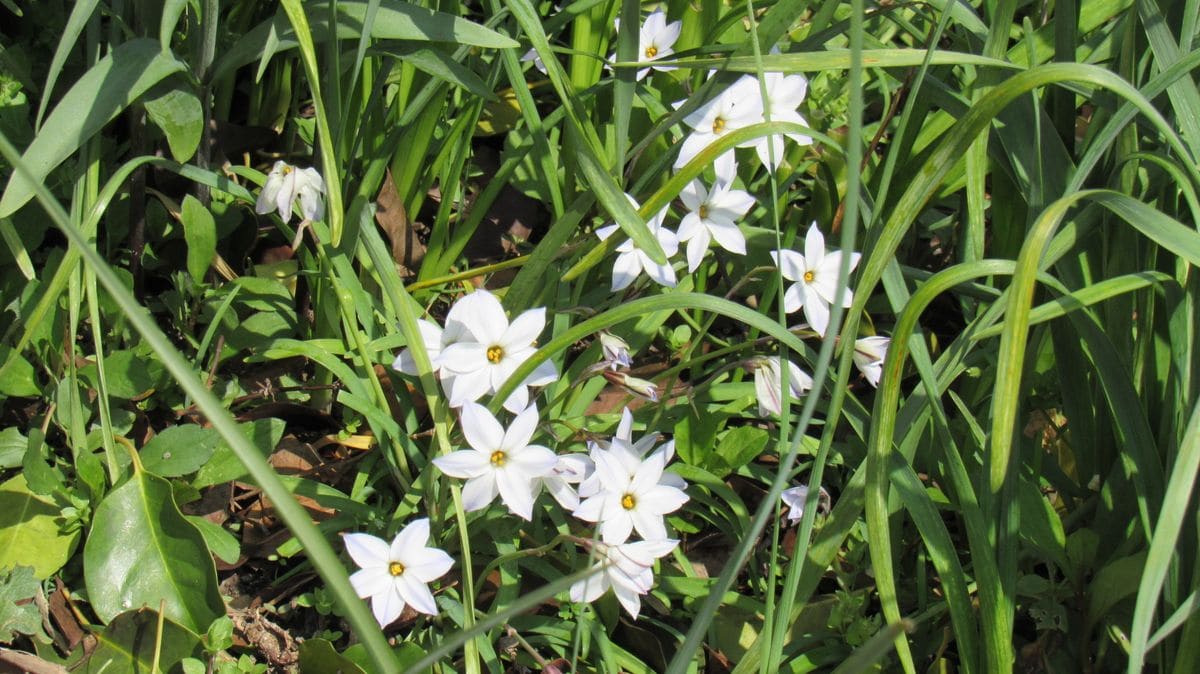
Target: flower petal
479,492
414,536
516,491
387,606
465,463
366,550
370,582
481,429
427,564
417,594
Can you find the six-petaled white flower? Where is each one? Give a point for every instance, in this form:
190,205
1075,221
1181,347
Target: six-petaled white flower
628,569
712,215
489,349
738,106
785,93
656,40
285,184
632,261
869,354
500,461
815,274
395,575
768,383
626,501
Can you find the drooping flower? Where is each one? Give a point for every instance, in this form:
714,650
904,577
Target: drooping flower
627,568
795,497
632,261
489,349
532,55
616,351
869,354
768,383
712,215
656,40
815,274
627,502
500,461
785,93
395,575
642,388
738,106
285,184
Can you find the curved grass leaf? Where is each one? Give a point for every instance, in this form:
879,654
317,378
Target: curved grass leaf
109,87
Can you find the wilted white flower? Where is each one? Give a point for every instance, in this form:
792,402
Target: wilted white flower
795,497
500,461
869,353
628,569
532,55
392,576
638,387
627,502
815,274
738,106
488,350
616,350
632,261
712,215
768,383
285,184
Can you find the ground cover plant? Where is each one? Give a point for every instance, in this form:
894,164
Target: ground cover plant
599,336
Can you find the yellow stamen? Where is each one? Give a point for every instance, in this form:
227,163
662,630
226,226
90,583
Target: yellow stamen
396,569
651,51
718,125
495,354
628,502
703,211
809,276
499,458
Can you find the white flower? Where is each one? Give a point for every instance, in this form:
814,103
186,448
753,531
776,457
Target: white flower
397,574
738,106
768,383
499,461
628,569
656,39
630,453
815,274
286,183
490,349
869,353
795,497
631,261
627,502
712,215
570,469
616,351
785,93
532,55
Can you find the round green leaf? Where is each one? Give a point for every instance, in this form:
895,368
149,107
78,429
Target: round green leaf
142,552
29,532
180,450
179,114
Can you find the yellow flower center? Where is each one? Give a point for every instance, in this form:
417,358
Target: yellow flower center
499,458
651,51
495,354
628,502
809,276
286,169
703,212
718,125
396,569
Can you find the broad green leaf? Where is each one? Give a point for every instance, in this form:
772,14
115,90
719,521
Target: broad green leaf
394,20
178,113
318,656
130,374
15,619
224,465
1116,581
18,376
12,447
737,448
132,642
1040,524
180,450
114,83
141,551
200,231
222,543
29,531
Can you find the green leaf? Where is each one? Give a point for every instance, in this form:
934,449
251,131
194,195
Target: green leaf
441,66
1116,581
224,465
394,20
29,531
132,641
200,231
111,85
318,656
12,447
737,448
222,543
18,376
180,450
24,618
130,374
178,113
141,551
